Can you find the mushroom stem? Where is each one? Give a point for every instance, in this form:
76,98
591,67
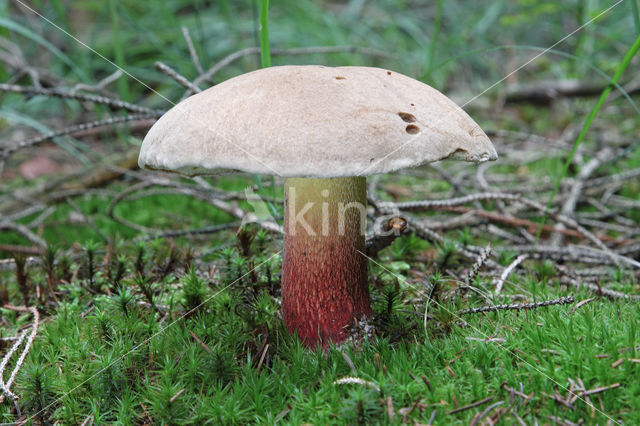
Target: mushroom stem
324,271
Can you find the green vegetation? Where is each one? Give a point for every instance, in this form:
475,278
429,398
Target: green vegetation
188,330
592,115
163,342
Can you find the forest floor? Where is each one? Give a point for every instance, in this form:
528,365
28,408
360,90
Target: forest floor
134,297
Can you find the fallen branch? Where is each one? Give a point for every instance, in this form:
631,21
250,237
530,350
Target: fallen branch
177,77
13,248
3,386
184,232
518,306
570,203
24,231
451,204
192,50
600,290
30,91
479,263
507,271
546,92
516,392
77,183
571,253
468,251
6,386
560,400
478,417
598,390
111,121
423,205
472,405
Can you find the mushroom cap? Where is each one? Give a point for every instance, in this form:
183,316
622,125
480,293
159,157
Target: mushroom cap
313,121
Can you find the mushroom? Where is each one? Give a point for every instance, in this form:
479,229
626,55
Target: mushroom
323,129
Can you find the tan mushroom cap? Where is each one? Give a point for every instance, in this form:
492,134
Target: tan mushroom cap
313,121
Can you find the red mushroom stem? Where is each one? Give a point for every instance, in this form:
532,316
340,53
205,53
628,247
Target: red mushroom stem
324,270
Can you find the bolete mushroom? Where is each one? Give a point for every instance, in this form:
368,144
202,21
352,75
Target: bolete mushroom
323,129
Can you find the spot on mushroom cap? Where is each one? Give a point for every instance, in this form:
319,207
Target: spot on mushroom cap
300,121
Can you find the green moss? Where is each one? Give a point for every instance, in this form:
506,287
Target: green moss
216,350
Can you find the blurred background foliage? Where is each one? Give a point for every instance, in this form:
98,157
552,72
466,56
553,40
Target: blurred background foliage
468,50
459,45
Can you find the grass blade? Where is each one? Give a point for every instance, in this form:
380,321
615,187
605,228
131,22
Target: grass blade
265,62
636,15
592,115
26,32
265,50
118,51
434,38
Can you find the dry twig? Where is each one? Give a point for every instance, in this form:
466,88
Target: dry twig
177,77
355,380
192,50
507,271
81,97
518,306
5,387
